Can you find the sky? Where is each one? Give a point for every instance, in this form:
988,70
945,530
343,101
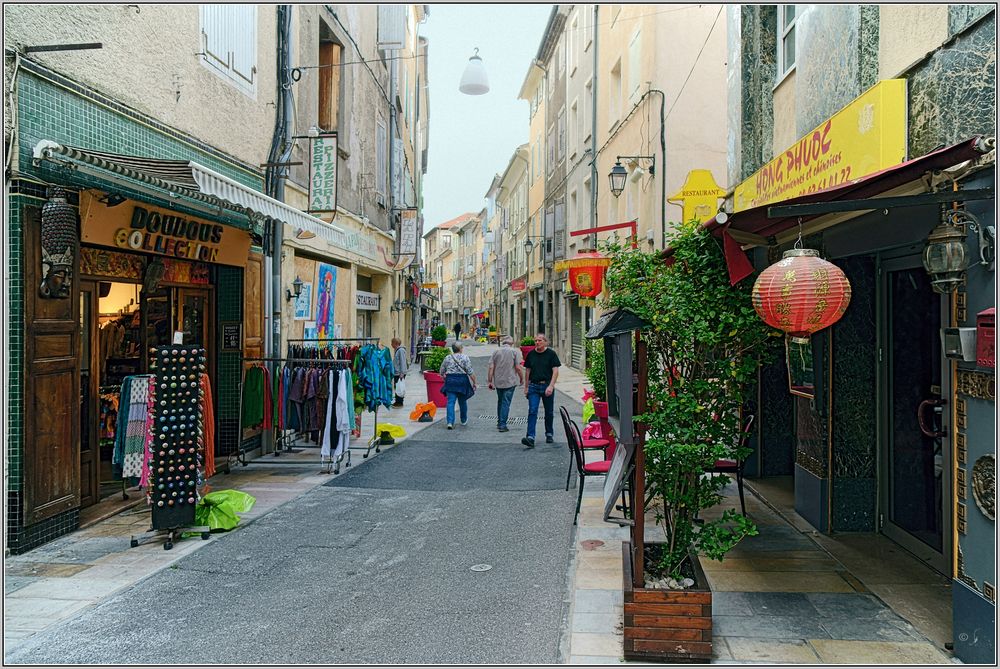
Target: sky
472,137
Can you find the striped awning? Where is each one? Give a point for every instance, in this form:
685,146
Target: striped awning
190,179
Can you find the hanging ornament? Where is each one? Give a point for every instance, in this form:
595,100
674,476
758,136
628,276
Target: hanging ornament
60,238
802,293
586,272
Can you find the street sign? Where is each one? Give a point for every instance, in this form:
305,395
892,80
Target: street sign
408,232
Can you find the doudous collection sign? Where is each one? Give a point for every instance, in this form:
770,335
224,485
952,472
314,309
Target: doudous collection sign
142,228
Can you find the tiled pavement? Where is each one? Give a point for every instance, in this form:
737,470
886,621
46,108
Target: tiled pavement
778,597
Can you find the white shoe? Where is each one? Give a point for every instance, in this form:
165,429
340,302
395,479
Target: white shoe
465,422
450,426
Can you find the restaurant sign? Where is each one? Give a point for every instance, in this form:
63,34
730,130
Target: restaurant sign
367,301
518,285
144,228
323,174
866,136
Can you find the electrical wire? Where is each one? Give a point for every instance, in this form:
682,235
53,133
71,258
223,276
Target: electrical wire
358,62
695,64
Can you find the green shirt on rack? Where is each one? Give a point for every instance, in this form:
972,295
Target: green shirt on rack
253,398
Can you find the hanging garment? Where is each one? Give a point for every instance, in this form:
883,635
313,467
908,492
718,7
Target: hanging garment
208,413
326,394
268,403
136,429
253,397
118,455
345,411
296,396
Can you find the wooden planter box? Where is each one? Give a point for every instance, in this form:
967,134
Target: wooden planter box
667,625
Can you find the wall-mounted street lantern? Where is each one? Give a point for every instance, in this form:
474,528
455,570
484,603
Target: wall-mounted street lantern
946,257
618,173
529,244
296,290
474,80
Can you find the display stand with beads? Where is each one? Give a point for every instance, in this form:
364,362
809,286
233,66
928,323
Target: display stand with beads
177,441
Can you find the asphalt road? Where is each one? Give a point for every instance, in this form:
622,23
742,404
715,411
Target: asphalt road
374,567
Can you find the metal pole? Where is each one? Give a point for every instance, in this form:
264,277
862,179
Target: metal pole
639,488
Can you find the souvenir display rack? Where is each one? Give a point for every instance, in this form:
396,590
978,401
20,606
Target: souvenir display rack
176,444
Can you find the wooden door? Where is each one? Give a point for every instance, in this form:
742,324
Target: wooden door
51,473
253,314
90,379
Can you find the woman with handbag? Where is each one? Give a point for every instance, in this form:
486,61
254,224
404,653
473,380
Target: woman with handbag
459,383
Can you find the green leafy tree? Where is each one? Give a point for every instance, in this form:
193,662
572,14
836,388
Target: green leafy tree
704,348
595,367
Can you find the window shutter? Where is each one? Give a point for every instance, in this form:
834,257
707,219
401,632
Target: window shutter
243,40
381,141
391,26
214,36
560,231
398,165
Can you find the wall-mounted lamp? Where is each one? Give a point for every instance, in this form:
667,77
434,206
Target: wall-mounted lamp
946,257
296,290
529,245
619,174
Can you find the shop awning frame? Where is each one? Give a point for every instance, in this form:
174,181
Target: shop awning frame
767,224
186,178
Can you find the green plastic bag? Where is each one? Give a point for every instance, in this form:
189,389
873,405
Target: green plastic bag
217,510
588,410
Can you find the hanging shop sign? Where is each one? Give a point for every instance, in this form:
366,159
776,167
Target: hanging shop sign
518,285
699,196
408,232
143,228
367,301
323,174
866,136
586,272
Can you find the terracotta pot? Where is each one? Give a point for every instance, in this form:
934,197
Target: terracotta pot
525,350
435,382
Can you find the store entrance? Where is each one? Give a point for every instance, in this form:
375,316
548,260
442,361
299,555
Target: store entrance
120,321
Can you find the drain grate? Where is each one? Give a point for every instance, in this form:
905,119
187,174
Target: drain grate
511,420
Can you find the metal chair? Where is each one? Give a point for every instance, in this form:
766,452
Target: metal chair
583,468
727,466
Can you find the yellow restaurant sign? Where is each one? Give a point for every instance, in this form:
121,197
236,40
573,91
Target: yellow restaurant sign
136,226
866,136
699,196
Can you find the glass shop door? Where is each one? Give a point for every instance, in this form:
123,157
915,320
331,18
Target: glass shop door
915,479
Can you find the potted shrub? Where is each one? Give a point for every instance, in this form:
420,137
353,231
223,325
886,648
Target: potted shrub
434,380
595,374
704,346
439,335
527,345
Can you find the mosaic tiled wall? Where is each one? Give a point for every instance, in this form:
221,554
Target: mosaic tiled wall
758,37
854,403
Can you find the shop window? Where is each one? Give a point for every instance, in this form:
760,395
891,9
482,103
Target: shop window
786,39
229,43
329,85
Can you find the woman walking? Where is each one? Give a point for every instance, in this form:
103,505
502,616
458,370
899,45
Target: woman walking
459,383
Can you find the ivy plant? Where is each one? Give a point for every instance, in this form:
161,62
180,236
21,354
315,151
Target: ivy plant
595,368
704,346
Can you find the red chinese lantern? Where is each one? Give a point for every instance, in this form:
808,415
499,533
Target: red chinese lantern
586,272
801,293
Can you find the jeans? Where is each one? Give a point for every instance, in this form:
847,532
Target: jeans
536,392
504,396
462,405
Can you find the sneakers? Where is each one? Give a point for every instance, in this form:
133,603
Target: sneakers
528,441
451,426
549,439
502,429
465,422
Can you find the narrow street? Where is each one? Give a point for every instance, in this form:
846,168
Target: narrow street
376,566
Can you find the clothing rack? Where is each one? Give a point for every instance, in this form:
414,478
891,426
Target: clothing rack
326,343
281,439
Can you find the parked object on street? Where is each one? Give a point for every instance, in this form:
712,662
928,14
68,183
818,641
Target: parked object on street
424,412
217,510
577,445
505,375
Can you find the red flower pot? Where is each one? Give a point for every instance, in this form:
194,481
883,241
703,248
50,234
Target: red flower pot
437,343
600,409
435,382
525,350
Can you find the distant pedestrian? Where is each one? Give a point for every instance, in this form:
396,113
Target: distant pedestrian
400,366
459,383
458,331
505,374
541,371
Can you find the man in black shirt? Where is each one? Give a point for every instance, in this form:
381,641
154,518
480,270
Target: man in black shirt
542,366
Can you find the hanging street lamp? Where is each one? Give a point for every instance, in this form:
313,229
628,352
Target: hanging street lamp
801,293
474,80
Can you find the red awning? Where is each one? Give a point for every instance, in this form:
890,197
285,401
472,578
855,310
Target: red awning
755,221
